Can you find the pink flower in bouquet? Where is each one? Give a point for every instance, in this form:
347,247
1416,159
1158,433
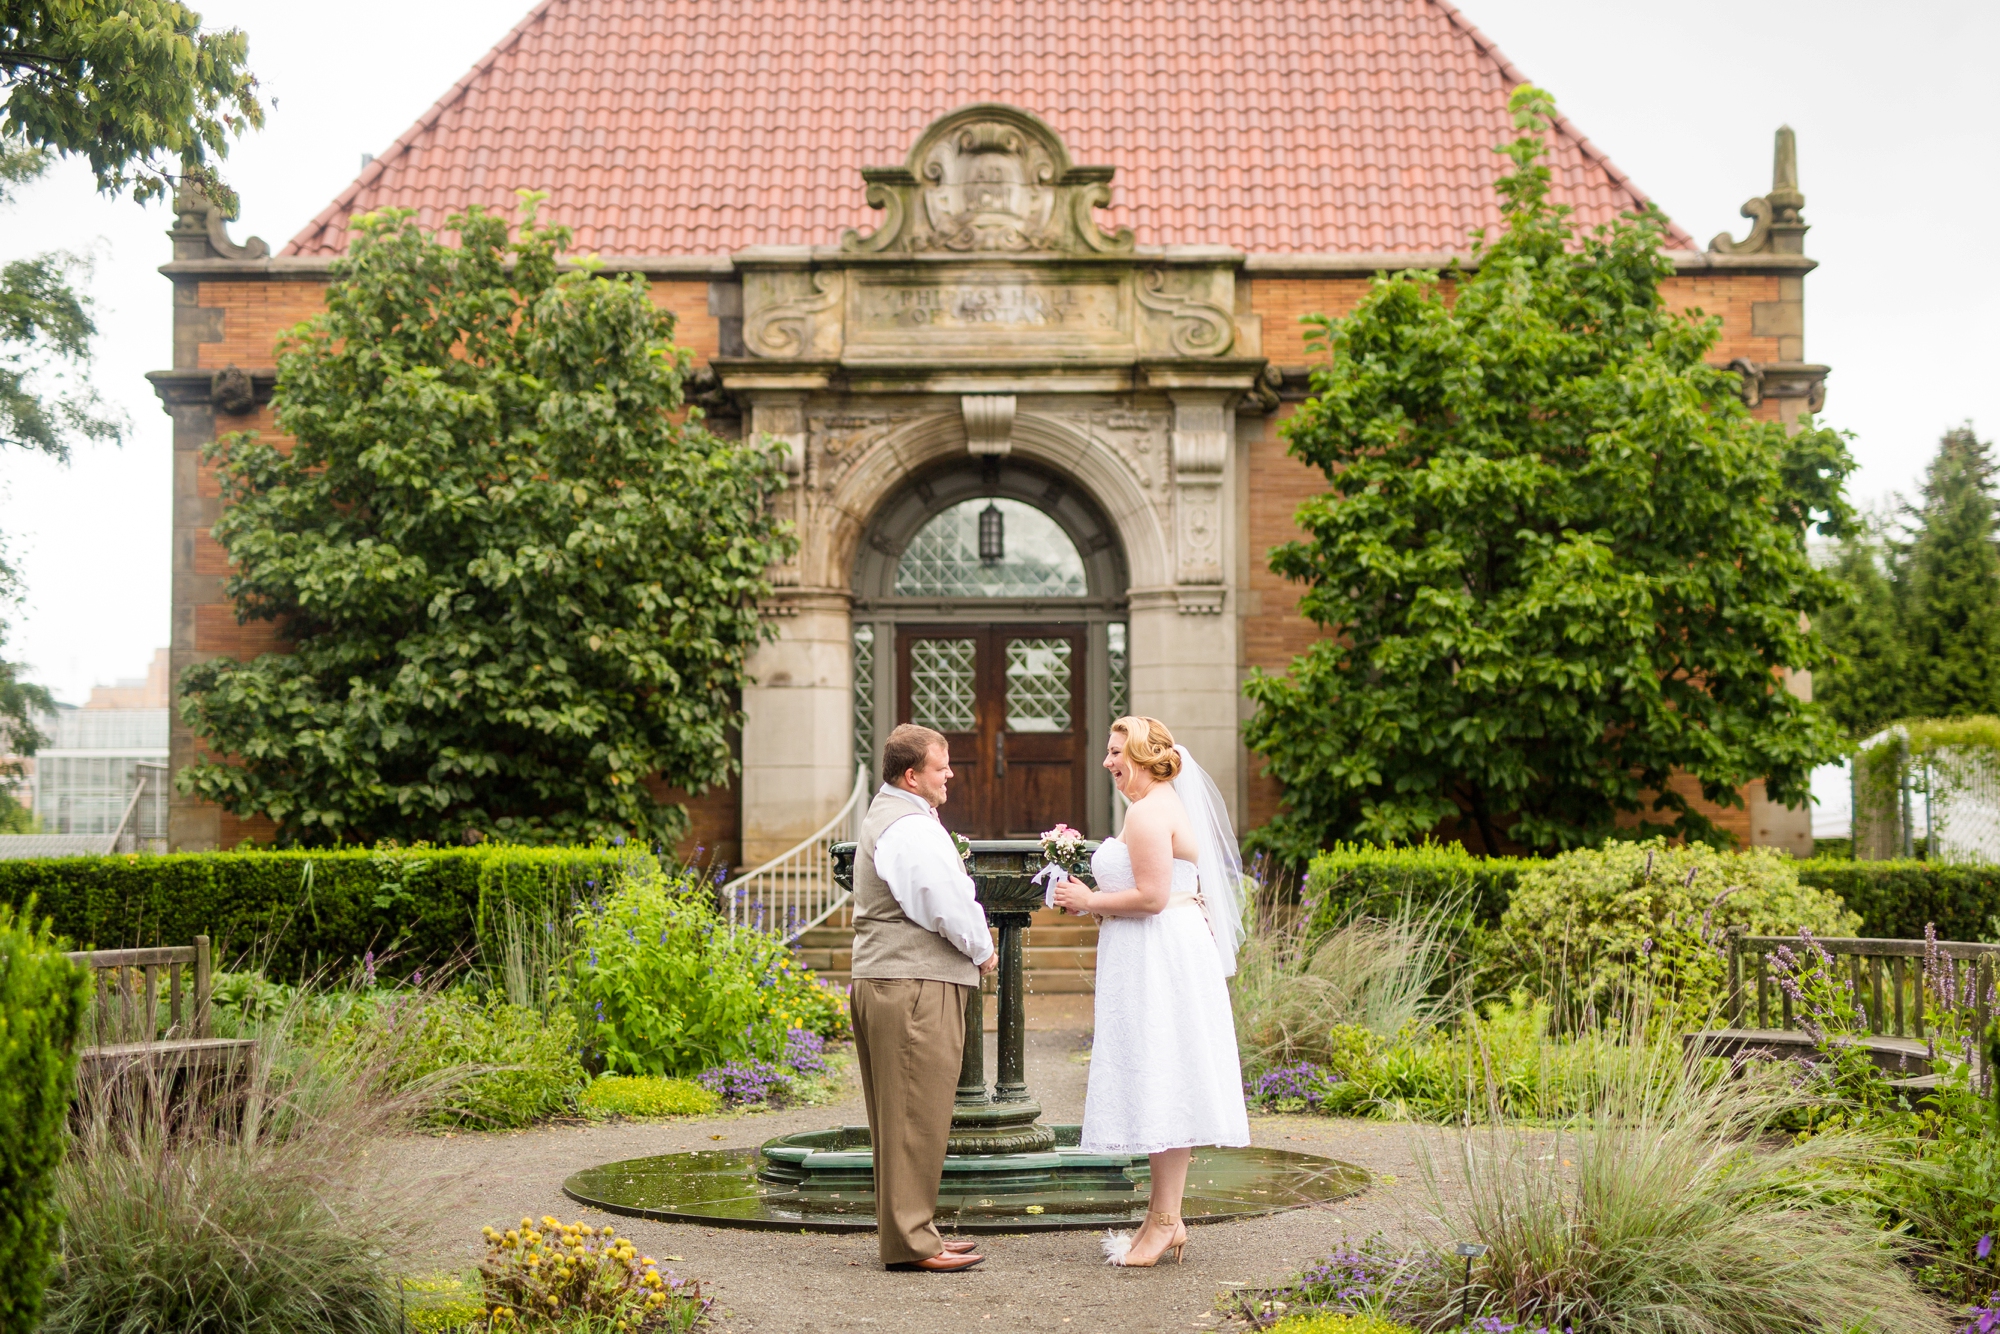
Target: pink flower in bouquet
1062,849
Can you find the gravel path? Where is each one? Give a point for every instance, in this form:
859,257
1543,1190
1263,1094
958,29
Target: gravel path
777,1284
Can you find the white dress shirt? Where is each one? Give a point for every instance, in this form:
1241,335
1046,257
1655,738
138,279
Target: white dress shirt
921,866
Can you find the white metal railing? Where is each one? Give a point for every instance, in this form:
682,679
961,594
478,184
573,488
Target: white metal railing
795,891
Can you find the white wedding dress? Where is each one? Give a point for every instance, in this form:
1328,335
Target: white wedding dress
1163,1067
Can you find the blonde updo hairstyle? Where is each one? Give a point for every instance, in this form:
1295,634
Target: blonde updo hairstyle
1149,746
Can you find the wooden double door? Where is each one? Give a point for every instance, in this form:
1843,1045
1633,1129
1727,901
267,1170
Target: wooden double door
1010,698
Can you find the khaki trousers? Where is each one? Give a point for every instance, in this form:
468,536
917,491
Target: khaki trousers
909,1037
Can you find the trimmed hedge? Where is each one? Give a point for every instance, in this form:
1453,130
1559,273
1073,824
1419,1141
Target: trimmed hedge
293,912
1895,899
42,1002
1351,879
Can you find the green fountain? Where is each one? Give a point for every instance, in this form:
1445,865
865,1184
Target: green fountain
1005,1171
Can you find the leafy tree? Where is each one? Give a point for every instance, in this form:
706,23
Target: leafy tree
1952,587
1557,559
126,83
1863,686
20,701
516,583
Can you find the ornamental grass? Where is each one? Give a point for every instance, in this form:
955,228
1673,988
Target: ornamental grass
202,1207
1297,982
1669,1205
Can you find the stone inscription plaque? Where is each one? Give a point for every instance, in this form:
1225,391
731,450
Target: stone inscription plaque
1025,307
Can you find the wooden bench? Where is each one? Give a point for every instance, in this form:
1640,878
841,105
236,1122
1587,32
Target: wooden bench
1888,981
124,1030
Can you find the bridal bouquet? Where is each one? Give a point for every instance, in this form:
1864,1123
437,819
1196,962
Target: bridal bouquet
1062,853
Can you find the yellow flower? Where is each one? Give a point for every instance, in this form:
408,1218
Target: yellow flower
527,1222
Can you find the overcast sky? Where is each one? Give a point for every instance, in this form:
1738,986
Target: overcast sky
1897,110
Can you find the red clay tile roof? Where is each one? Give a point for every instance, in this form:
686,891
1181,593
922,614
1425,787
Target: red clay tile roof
676,127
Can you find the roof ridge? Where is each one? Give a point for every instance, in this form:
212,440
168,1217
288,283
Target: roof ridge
373,171
1563,124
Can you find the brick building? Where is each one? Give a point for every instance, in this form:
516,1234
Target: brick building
986,340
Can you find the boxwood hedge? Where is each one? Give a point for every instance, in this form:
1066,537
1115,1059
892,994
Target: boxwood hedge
1895,899
42,1000
292,913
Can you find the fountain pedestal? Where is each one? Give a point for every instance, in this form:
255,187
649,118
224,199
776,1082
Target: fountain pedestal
1006,1119
1004,1170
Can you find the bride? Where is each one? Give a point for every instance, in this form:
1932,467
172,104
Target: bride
1163,1070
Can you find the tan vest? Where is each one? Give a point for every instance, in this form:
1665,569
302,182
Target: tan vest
887,943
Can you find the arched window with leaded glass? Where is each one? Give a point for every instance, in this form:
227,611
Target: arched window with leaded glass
989,603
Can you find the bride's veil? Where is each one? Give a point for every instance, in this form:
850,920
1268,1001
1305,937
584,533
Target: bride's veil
1220,862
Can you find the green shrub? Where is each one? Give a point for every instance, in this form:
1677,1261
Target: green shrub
516,1065
1598,925
668,989
1351,880
1499,1061
303,911
647,1095
43,997
1895,898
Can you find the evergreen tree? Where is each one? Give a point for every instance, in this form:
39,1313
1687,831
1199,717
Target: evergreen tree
1864,686
1952,587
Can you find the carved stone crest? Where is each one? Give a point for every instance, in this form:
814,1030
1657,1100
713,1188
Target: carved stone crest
989,179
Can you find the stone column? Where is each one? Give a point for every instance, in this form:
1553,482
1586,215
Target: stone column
798,734
1183,638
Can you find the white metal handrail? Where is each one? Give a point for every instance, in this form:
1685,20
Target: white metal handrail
795,891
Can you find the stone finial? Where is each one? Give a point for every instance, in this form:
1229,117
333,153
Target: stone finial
1786,201
1775,225
200,230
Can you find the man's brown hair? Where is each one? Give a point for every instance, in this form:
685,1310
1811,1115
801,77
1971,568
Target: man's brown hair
907,748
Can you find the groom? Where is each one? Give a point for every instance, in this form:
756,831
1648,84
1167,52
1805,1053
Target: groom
920,947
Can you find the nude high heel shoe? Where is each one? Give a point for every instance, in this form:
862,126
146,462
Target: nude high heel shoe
1118,1245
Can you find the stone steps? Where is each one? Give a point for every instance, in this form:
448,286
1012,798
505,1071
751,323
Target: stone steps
1061,952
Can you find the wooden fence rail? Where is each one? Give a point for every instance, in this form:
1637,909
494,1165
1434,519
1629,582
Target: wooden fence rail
1888,977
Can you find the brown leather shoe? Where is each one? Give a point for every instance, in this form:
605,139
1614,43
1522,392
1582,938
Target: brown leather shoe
947,1263
956,1247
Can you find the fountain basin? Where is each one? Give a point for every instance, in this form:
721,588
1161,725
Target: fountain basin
822,1181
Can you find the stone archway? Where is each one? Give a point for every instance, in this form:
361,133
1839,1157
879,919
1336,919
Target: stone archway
1054,624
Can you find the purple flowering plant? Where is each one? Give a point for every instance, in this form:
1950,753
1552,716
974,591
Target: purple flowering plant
1367,1275
747,1082
1290,1088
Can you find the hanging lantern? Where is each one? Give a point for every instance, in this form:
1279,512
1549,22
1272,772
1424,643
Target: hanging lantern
992,535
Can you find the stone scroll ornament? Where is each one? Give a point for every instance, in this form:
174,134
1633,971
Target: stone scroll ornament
784,328
1780,208
989,179
1200,328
